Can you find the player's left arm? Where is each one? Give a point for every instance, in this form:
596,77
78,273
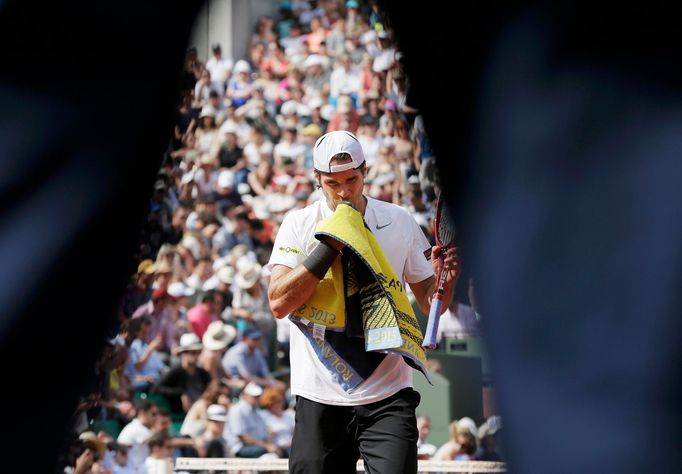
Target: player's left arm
424,290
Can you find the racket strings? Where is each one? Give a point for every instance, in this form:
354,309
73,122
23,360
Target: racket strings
446,228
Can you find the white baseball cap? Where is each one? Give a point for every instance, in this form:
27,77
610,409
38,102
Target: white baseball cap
253,389
216,412
178,289
333,143
242,66
312,60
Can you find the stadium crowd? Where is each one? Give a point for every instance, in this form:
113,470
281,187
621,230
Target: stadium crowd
198,365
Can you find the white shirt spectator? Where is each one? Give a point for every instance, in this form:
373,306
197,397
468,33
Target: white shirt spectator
206,184
293,46
344,81
220,70
370,146
281,428
460,323
383,60
291,150
158,466
254,152
135,435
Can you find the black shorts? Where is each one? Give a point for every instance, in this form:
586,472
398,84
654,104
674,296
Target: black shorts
330,439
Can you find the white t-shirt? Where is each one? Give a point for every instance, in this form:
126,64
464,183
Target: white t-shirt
219,68
461,324
253,152
404,245
370,147
343,81
290,150
158,466
207,184
383,60
136,435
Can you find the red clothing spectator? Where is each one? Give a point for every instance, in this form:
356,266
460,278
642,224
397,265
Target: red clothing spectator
203,314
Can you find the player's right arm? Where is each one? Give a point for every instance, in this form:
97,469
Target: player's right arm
294,275
290,288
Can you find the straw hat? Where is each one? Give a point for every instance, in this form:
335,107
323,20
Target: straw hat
90,440
248,275
218,336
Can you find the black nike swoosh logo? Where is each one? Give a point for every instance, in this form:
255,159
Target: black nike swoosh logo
379,227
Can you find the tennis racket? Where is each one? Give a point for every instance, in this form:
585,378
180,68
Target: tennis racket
444,231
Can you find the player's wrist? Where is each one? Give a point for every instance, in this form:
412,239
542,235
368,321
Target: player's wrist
320,259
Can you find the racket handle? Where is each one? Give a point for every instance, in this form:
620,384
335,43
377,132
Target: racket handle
430,337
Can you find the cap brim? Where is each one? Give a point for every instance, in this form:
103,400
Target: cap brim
222,419
193,347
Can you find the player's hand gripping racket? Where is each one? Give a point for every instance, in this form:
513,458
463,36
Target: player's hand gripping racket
444,231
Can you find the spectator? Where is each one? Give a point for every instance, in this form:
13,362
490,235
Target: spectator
459,320
194,423
145,365
226,196
263,32
139,290
246,431
219,69
316,117
135,435
203,314
163,273
345,117
294,44
345,79
177,225
385,57
279,420
231,155
159,459
406,151
367,136
202,89
180,294
217,337
285,20
488,435
183,384
212,443
288,153
425,450
467,446
240,86
371,109
250,304
159,317
246,360
218,104
317,35
206,177
388,119
336,38
120,461
462,443
258,149
316,82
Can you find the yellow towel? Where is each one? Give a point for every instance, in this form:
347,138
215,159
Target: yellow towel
388,321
